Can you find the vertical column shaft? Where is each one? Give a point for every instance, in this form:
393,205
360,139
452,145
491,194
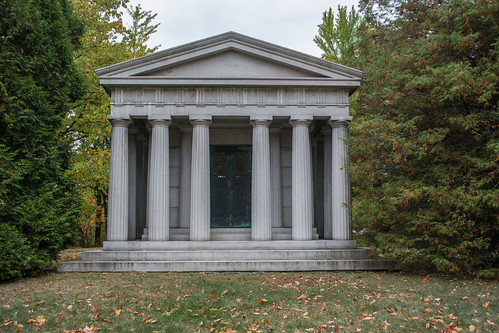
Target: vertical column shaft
117,221
302,201
261,225
132,183
185,176
200,179
275,176
341,199
328,219
159,185
142,154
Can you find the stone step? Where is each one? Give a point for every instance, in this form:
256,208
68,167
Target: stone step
228,234
226,255
227,266
228,245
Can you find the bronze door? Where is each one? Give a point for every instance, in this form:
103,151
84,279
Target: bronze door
230,170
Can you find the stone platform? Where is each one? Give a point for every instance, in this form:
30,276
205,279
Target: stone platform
225,256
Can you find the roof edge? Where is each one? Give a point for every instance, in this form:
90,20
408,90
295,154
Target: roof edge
226,37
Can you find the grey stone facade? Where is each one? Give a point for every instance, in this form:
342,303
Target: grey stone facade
182,116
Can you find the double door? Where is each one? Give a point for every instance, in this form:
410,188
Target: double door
230,170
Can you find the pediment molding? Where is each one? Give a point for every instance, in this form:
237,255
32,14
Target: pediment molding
229,59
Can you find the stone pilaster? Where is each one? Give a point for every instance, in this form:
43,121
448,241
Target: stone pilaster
340,179
159,185
117,220
302,200
261,225
275,176
328,220
185,175
200,179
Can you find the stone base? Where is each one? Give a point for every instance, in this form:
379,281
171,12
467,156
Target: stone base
227,256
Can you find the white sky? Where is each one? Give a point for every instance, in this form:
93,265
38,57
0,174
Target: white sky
289,23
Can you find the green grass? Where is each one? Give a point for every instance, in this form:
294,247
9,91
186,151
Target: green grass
242,302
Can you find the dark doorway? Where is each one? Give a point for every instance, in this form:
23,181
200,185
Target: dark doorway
230,173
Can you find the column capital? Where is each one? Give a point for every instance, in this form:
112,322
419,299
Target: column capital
338,124
275,129
261,120
185,128
326,130
133,130
300,120
160,122
335,119
200,120
119,121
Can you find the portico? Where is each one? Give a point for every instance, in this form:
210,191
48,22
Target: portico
229,153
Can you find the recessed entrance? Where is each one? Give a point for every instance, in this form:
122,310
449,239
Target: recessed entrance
230,171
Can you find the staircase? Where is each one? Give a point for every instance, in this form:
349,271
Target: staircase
224,255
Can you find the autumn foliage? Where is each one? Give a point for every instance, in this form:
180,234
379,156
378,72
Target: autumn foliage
424,142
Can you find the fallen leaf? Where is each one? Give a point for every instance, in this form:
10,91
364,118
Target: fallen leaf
472,328
41,320
451,316
486,304
117,312
302,296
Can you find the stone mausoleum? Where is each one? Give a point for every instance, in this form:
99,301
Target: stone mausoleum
229,154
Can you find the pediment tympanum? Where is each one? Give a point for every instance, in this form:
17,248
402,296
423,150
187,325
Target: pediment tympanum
229,59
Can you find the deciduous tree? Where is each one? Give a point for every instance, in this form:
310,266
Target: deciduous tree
106,41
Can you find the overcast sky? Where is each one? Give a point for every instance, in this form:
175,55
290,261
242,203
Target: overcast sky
289,23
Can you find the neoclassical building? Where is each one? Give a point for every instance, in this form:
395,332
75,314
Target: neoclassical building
228,154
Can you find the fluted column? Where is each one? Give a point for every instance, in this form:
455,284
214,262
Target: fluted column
142,155
261,225
185,175
159,186
302,200
200,179
341,200
328,220
117,220
132,183
275,176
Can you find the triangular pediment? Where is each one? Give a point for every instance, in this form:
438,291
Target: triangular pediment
231,64
233,58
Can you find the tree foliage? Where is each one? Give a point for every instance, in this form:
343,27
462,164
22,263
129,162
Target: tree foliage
140,30
425,140
106,41
339,36
38,84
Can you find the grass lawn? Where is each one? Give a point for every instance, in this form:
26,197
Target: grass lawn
242,302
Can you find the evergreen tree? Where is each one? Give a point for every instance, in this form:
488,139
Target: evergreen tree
339,36
38,85
424,144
